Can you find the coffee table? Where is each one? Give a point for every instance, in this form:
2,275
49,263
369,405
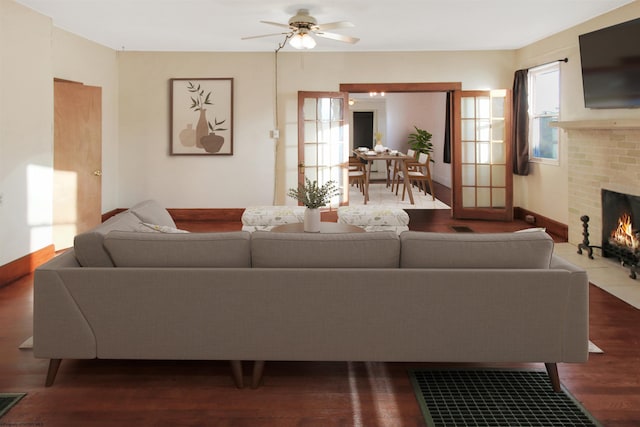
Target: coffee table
325,228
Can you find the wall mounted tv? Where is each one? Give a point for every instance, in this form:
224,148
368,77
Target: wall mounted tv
610,60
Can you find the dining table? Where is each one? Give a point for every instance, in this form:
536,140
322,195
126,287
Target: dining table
369,156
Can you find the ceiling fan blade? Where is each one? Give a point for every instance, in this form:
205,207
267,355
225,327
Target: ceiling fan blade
335,25
338,37
263,35
277,24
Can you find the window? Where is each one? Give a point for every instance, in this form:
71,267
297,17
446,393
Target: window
544,108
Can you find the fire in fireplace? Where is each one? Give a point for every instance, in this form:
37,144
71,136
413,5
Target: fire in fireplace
621,228
624,235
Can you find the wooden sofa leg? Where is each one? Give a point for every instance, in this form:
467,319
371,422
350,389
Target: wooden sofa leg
54,364
236,371
552,371
258,371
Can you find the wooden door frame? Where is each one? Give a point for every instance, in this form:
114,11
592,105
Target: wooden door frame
447,87
458,211
301,160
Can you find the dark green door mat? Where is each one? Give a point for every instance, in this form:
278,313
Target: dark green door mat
7,400
494,397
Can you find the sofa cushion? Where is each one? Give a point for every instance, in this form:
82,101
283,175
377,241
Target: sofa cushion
152,212
218,250
475,250
315,250
88,246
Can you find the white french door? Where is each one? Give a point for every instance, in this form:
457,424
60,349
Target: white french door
323,140
483,178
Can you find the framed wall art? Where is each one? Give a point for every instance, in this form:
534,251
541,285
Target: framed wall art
201,116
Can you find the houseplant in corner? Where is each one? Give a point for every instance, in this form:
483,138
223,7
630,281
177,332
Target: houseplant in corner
420,142
313,197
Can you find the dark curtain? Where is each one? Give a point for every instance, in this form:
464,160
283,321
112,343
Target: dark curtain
520,123
447,132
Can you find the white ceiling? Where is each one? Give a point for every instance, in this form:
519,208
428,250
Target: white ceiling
381,25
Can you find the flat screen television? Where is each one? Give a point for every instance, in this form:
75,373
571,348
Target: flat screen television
610,60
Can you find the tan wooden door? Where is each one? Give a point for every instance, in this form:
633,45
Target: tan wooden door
482,174
323,140
77,160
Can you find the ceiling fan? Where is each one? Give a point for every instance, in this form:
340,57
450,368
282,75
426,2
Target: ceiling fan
302,25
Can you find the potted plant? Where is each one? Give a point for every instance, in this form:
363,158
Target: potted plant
420,142
313,196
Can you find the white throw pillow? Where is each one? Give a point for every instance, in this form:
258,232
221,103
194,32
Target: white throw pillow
163,228
531,230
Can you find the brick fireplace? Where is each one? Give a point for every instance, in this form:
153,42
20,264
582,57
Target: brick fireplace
602,155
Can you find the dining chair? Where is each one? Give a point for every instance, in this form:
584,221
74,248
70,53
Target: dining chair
357,173
420,175
396,167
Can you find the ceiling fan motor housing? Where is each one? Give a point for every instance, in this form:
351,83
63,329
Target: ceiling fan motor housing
303,20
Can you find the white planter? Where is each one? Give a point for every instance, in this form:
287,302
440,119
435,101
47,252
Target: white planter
312,220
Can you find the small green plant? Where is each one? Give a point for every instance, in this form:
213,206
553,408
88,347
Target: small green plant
313,196
200,99
216,127
420,141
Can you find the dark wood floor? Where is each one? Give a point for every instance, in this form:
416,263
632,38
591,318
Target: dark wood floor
186,393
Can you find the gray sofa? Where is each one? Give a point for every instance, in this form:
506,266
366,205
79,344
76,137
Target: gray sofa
136,288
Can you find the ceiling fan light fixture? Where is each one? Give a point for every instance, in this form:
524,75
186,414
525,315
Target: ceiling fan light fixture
302,41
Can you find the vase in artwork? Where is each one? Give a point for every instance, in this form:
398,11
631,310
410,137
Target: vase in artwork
212,143
188,136
202,127
312,220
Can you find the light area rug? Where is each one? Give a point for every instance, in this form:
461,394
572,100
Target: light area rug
381,195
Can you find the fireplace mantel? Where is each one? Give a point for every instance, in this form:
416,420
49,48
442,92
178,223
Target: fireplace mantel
598,124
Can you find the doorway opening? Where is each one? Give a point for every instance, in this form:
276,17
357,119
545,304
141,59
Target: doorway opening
363,129
403,106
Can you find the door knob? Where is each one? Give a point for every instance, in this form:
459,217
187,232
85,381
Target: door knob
97,172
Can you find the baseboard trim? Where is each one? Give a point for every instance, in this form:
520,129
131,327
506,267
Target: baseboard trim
553,227
193,214
25,265
206,214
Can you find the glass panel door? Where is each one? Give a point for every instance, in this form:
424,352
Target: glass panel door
323,146
483,178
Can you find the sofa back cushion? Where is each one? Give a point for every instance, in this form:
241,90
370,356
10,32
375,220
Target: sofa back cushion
315,250
88,246
147,216
215,250
475,250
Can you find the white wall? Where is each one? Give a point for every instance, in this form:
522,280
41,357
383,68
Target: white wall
146,170
545,189
32,53
136,117
26,122
249,177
